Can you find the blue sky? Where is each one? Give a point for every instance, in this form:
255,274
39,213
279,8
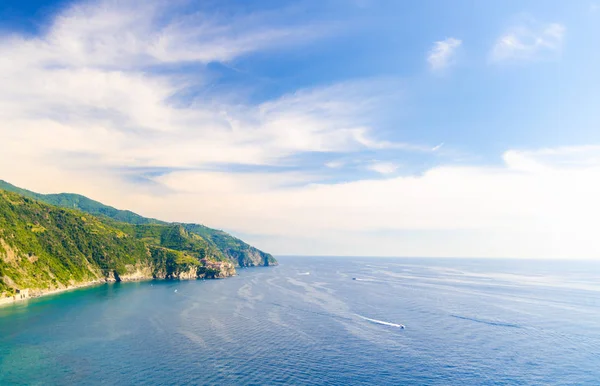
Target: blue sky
318,127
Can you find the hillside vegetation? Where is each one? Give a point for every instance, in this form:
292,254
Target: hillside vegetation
221,244
45,247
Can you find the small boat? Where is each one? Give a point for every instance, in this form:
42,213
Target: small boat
175,290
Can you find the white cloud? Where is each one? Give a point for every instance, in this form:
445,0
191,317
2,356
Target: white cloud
567,157
514,210
334,164
84,88
529,41
383,167
124,34
540,203
437,147
442,54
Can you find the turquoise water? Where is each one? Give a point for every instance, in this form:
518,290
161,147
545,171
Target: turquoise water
307,321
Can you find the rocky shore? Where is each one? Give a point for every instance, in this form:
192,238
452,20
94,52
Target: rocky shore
209,270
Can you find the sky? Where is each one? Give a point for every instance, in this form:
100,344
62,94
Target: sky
331,127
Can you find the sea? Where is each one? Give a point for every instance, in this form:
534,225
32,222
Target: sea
319,321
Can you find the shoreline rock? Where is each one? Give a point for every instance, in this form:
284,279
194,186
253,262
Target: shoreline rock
211,270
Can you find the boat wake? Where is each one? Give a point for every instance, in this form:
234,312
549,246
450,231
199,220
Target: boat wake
402,326
488,322
369,280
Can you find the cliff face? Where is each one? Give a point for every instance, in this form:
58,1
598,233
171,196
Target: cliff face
206,269
234,249
252,257
44,248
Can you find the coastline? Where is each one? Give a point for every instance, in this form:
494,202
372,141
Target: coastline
136,273
18,298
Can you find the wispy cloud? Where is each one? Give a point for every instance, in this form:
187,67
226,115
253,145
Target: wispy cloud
442,54
122,34
334,164
383,167
437,147
565,158
529,41
85,87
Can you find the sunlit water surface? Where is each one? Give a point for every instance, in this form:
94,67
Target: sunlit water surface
309,322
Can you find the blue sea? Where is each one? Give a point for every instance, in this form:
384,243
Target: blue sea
319,321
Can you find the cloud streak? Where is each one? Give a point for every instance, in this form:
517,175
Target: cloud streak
129,34
529,41
84,87
442,55
383,167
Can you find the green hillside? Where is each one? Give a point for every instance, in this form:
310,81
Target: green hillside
76,201
231,248
44,247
